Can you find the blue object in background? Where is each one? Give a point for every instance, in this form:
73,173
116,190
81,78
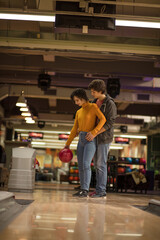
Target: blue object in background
136,160
112,158
128,169
129,159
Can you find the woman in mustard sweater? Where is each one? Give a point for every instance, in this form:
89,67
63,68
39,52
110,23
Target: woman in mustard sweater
85,121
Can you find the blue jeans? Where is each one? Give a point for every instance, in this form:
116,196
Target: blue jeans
85,154
100,162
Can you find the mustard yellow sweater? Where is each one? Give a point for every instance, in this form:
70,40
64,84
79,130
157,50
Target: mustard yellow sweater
85,120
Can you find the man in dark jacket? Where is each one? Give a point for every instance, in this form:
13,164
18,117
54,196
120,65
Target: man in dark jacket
104,136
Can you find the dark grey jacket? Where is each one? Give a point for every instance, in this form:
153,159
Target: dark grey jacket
109,110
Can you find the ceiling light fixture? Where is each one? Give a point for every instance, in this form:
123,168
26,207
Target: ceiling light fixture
132,136
129,234
21,101
39,143
31,121
45,131
51,18
27,17
26,114
28,118
55,146
114,147
24,109
127,23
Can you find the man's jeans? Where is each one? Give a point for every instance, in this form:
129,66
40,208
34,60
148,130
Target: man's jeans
85,154
100,162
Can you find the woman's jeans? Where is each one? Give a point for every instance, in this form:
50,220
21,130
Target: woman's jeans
100,162
85,154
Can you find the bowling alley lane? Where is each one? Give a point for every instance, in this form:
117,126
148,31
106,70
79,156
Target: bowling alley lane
55,214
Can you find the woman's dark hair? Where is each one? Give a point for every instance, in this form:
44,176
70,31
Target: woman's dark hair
98,85
80,93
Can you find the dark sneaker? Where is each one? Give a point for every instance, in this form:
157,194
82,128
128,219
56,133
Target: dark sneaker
77,193
83,194
99,195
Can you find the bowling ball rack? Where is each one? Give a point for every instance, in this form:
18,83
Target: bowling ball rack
118,170
73,173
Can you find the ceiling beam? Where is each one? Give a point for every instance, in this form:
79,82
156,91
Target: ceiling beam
118,3
78,46
115,16
64,93
74,54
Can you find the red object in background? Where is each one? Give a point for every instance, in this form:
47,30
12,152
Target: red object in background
70,178
143,171
122,140
121,170
76,178
63,136
110,180
65,155
142,161
35,135
36,163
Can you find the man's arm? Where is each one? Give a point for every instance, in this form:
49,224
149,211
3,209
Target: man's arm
110,114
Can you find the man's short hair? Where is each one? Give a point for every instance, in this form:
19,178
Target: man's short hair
80,93
98,85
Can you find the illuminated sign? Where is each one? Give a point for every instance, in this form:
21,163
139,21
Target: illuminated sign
122,140
63,136
36,135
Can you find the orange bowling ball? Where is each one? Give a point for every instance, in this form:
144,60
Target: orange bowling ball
71,178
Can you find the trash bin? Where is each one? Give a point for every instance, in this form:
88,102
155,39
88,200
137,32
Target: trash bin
22,174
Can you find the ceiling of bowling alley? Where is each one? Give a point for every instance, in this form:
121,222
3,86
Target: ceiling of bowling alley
72,60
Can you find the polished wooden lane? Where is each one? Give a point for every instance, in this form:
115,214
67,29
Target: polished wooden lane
55,214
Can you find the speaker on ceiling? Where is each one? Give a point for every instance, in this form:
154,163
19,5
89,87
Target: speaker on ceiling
113,87
44,81
41,124
124,129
